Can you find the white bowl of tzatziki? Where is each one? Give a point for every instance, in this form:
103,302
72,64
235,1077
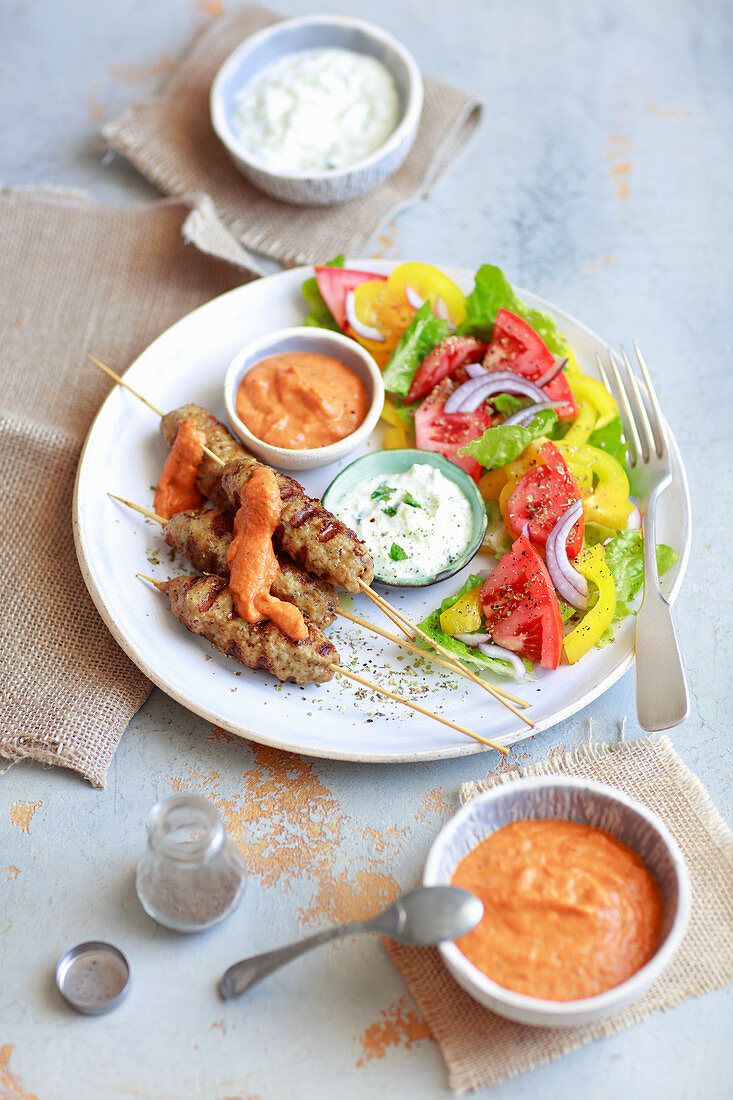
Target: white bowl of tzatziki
318,110
422,517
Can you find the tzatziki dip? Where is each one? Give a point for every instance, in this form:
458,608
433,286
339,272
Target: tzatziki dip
415,524
317,110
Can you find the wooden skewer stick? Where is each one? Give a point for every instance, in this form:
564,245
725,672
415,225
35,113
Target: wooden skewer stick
422,710
120,382
499,694
429,653
161,586
139,508
389,611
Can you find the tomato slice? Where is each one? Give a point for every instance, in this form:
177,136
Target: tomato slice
450,354
521,608
516,346
541,496
334,284
445,433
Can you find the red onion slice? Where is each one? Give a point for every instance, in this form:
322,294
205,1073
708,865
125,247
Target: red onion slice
475,370
440,310
365,331
473,639
523,416
464,392
484,643
469,396
414,298
551,373
503,654
571,585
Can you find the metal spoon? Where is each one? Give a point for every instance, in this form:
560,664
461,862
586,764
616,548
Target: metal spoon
428,915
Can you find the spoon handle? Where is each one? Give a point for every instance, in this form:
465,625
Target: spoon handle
244,974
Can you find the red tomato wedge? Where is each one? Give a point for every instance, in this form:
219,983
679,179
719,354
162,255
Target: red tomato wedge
334,284
444,433
521,608
541,496
516,346
450,354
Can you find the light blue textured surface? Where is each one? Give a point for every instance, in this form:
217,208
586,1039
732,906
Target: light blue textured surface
600,180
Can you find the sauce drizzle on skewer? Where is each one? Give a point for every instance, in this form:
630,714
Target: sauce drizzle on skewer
251,558
176,491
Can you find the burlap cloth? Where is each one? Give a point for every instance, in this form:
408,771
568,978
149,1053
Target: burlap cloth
75,277
170,140
481,1049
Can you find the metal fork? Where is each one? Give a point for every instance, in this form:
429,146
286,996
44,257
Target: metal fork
662,699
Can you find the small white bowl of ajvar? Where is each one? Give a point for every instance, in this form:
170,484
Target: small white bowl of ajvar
303,397
586,899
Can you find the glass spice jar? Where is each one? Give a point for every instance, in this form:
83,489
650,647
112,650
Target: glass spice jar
192,875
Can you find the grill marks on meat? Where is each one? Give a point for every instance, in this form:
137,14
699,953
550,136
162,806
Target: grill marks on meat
314,538
204,538
218,439
204,605
316,598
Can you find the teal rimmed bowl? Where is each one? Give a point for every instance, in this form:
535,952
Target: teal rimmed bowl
384,463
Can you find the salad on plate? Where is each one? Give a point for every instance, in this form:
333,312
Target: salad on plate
491,384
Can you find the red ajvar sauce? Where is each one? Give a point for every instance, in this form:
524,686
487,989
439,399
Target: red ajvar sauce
251,558
569,910
301,399
176,491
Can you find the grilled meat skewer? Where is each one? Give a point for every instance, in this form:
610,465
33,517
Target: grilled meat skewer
311,536
204,605
204,538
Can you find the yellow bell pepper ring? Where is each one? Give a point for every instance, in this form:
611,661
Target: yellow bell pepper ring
391,415
465,614
429,283
591,563
387,307
608,505
397,438
583,478
584,423
587,389
492,482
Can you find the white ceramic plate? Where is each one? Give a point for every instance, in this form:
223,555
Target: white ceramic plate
124,454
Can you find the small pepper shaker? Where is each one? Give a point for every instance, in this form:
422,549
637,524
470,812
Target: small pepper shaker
192,875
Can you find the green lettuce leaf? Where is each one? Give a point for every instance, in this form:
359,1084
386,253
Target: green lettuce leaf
507,403
625,559
611,439
320,315
504,443
466,654
492,291
424,333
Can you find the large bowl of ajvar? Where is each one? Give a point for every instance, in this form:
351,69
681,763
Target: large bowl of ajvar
527,906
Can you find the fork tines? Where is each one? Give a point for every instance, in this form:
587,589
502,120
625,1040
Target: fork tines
644,434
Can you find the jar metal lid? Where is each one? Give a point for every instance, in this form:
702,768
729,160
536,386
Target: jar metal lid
93,977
